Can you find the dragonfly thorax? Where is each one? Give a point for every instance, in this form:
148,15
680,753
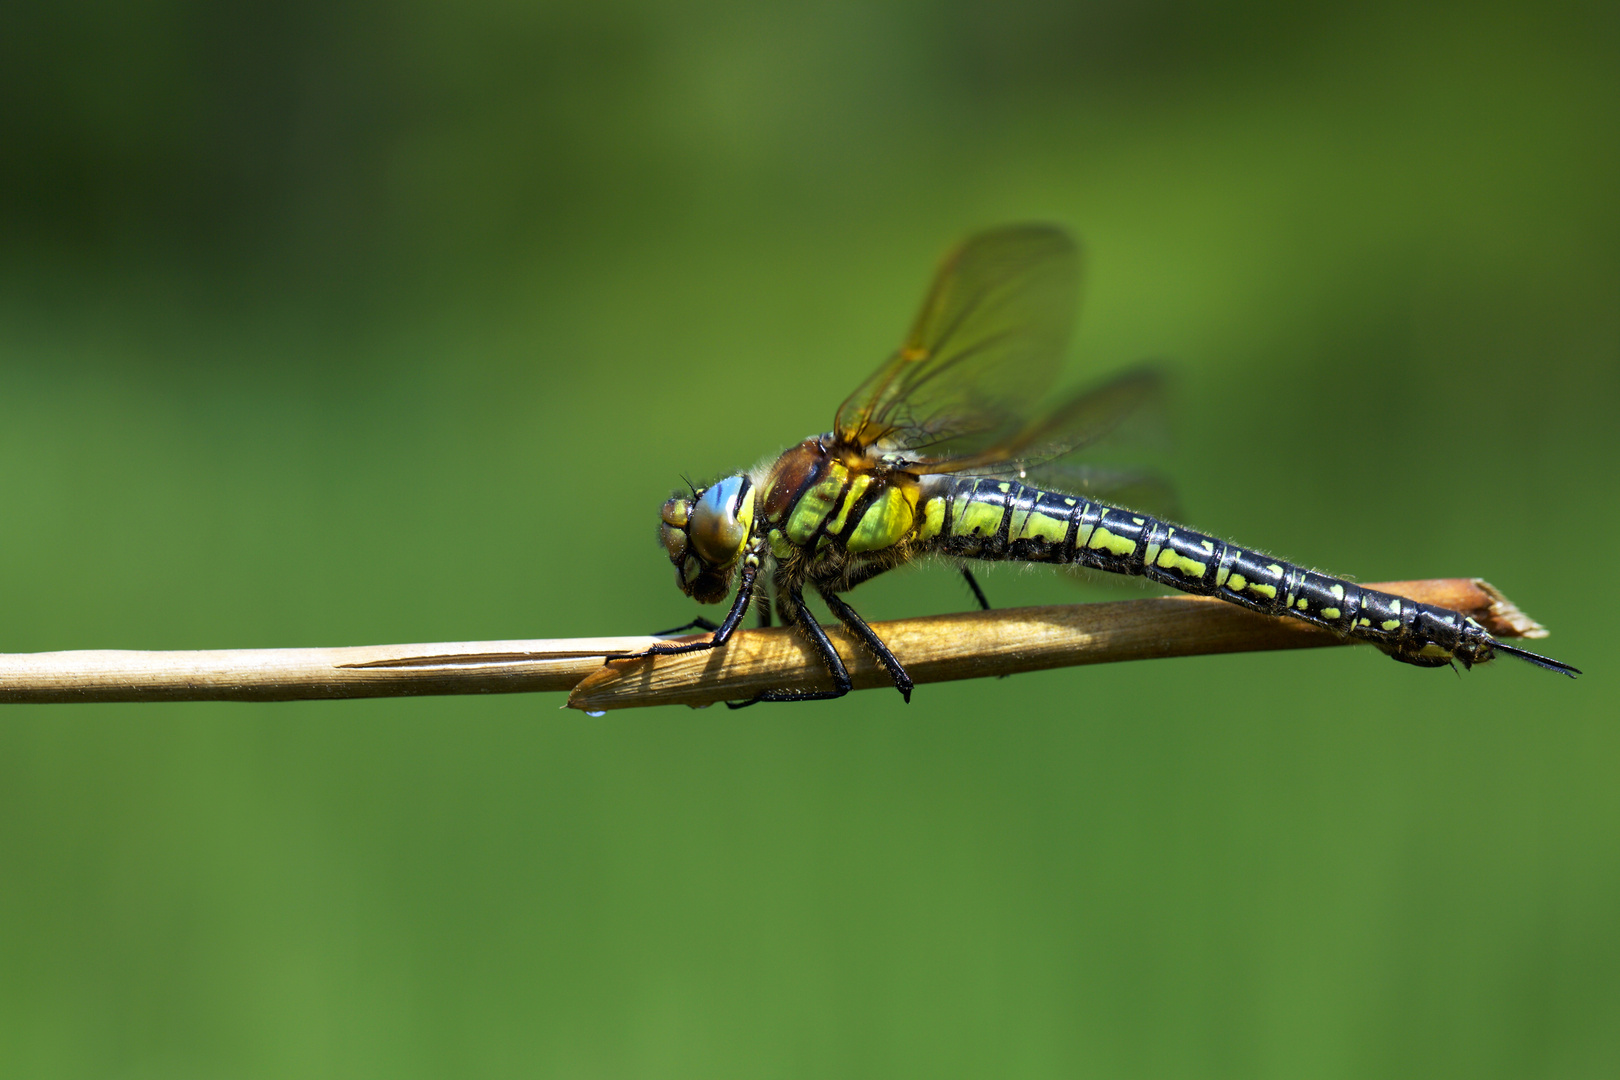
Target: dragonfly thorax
705,536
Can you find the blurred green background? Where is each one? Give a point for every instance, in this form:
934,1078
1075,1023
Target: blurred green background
357,323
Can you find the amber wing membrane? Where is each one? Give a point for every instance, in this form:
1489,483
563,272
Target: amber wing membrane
983,350
1073,424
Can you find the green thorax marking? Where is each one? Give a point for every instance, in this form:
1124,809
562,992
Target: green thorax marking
884,523
813,507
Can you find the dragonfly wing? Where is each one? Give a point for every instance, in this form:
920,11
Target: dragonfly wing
984,348
1076,423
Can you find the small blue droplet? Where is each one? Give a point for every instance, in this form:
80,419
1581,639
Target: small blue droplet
590,713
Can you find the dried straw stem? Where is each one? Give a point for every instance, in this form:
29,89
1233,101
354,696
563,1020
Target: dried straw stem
933,649
473,667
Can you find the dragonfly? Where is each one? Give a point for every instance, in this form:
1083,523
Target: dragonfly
942,450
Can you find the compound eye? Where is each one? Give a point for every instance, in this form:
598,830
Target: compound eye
717,528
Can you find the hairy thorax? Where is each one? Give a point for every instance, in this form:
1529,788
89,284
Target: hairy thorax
827,506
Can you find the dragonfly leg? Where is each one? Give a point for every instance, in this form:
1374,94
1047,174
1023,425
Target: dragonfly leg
791,598
848,616
698,623
973,583
722,633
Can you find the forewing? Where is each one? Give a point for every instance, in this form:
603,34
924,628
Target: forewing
984,348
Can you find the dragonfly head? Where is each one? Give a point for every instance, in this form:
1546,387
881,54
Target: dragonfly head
705,535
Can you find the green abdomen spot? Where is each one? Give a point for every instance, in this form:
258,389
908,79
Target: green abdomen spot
883,524
971,518
933,519
1103,540
1034,525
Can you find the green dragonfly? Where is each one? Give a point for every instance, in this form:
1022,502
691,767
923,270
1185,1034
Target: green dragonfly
930,456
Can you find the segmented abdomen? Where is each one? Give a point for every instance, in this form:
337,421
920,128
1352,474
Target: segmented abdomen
984,518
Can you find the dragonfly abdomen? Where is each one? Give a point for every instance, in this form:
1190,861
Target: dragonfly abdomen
1004,520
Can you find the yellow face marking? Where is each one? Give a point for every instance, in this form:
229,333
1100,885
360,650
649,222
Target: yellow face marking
852,495
1329,612
1104,540
976,519
933,519
1237,582
1267,591
884,523
1390,624
1041,526
1338,592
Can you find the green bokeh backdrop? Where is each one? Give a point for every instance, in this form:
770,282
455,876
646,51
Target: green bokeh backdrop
358,323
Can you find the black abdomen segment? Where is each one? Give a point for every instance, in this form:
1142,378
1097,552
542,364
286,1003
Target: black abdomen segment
1005,520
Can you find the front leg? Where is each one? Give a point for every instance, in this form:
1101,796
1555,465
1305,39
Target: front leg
739,608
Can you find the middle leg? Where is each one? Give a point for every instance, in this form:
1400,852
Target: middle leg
790,599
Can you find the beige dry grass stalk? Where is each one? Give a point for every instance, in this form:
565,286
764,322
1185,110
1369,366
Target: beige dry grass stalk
933,649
